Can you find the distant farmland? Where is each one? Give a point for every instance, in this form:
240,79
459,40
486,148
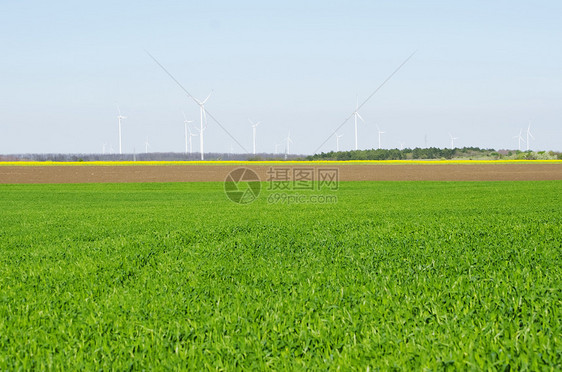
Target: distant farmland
407,275
398,170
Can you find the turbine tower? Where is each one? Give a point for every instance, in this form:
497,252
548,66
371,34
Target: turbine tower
380,132
519,138
186,129
338,136
191,134
453,141
119,118
203,116
146,146
529,135
356,115
289,141
254,126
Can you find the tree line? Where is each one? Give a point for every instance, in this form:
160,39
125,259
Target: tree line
433,153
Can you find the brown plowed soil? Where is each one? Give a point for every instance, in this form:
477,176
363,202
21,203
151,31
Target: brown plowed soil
346,172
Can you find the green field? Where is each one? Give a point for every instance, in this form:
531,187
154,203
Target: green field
410,275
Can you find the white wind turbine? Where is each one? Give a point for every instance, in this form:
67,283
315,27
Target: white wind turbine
288,142
338,136
380,132
119,118
203,116
254,126
186,130
356,115
529,135
520,139
453,141
146,146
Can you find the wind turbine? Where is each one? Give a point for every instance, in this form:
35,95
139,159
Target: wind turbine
519,138
380,132
357,107
529,135
277,147
289,141
356,115
186,129
254,126
146,146
119,118
103,148
338,136
203,116
453,141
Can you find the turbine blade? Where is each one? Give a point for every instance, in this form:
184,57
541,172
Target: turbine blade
369,97
193,98
207,98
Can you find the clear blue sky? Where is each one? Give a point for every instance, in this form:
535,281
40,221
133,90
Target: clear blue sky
483,71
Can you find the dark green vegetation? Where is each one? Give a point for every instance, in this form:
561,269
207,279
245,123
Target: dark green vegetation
435,153
474,153
410,275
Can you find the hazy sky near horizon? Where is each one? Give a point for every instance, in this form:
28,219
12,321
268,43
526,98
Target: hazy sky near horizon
483,71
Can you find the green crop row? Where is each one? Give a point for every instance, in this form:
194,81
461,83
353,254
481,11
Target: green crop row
406,275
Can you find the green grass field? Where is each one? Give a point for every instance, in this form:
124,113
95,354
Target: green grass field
412,275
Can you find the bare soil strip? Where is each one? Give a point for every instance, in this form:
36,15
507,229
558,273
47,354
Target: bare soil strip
347,172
